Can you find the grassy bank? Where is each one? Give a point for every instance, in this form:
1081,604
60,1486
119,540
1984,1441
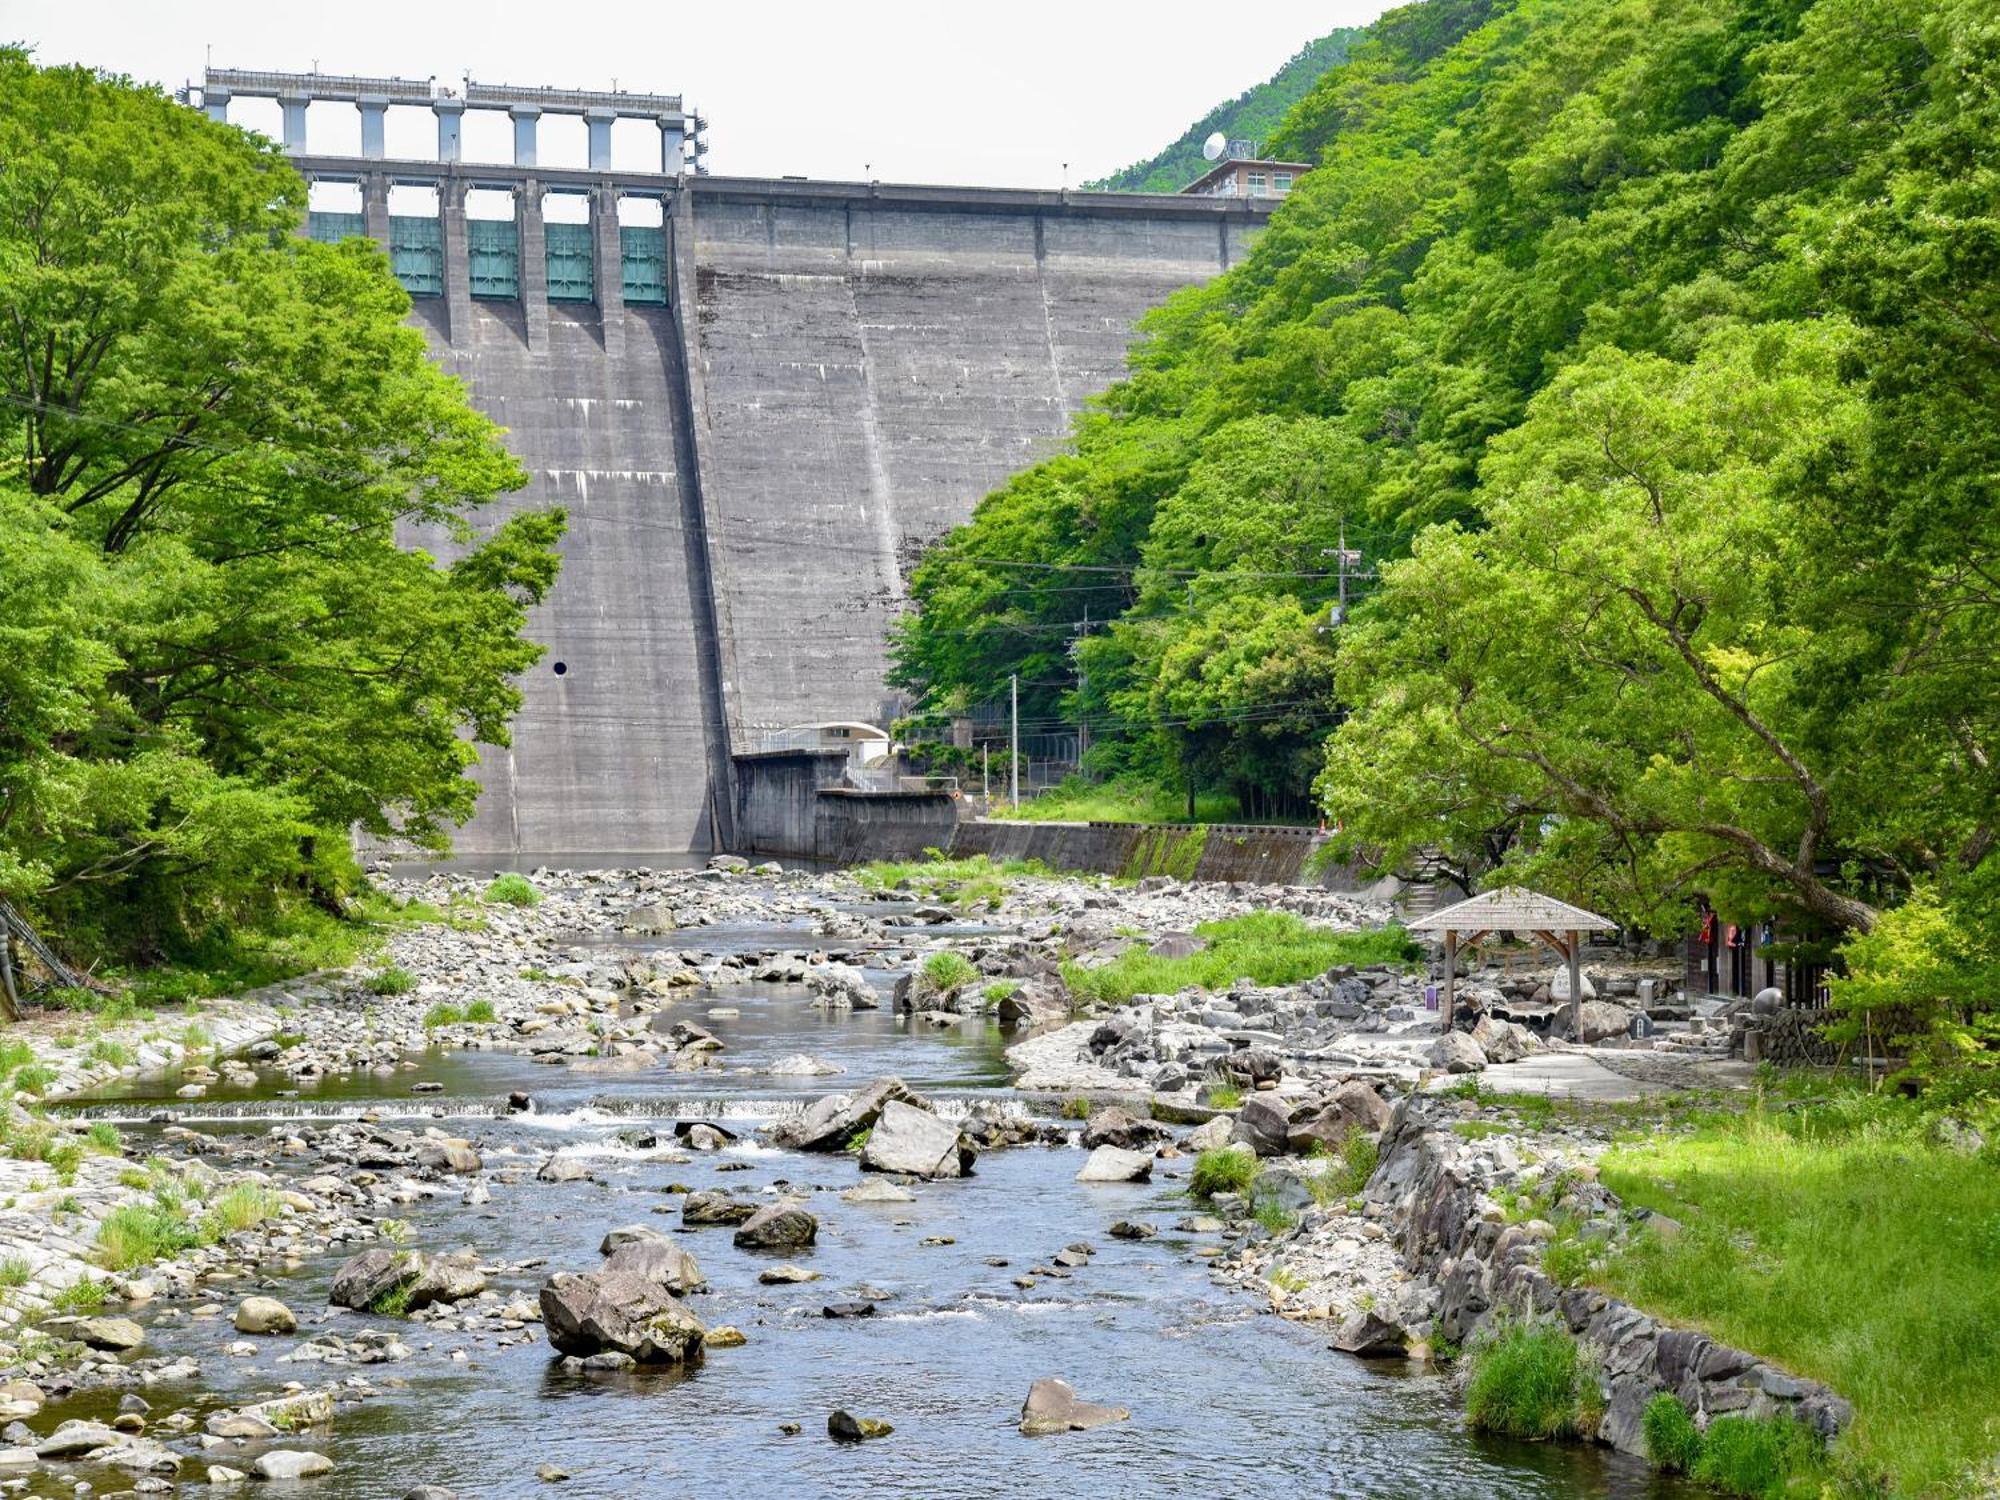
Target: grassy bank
1841,1238
968,883
1268,947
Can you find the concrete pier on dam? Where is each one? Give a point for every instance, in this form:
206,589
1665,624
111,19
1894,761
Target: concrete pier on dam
758,400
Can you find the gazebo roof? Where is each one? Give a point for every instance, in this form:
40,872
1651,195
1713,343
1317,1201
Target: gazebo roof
1512,908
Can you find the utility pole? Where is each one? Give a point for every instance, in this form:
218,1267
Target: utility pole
1082,689
1345,559
1014,739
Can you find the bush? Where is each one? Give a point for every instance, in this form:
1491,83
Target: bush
443,1015
34,1078
1672,1442
1225,1169
1755,1457
244,1206
84,1295
1528,1381
392,981
15,1271
945,972
482,1012
1076,1108
513,890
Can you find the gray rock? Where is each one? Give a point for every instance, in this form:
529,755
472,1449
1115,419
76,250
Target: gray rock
660,1261
878,1191
73,1439
409,1277
1455,1052
828,1124
265,1315
562,1169
1353,1108
1502,1041
777,1226
916,1143
1264,1124
1118,1126
431,1492
1369,1336
844,1427
1052,1407
109,1333
710,1209
1602,1020
617,1311
1113,1164
289,1463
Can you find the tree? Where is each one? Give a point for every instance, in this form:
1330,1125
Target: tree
219,428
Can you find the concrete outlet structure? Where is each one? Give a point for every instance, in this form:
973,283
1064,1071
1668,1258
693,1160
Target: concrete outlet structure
757,414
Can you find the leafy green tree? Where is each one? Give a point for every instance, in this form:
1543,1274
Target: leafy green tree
218,428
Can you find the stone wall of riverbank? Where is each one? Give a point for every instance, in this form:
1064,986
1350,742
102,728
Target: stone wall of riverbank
1472,1265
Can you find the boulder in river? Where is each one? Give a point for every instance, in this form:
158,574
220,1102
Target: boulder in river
600,1311
777,1226
1112,1164
108,1333
877,1191
845,1427
828,1124
291,1463
660,1261
402,1281
710,1209
1052,1406
1115,1125
265,1315
916,1143
1370,1336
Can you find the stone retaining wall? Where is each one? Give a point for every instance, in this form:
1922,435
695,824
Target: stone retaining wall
1453,1237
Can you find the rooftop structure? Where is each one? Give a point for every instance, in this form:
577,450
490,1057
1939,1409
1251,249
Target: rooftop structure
1248,176
1514,908
681,143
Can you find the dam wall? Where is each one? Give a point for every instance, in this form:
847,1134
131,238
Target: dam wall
755,449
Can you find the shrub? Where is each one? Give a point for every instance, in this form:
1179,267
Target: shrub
1672,1442
137,1234
442,1015
1225,1169
1225,1096
1077,1108
84,1295
1273,1215
1528,1381
482,1012
242,1207
945,972
15,1271
65,1159
34,1078
1001,989
104,1050
513,890
392,981
1754,1457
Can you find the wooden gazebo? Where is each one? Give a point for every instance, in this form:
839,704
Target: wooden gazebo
1514,908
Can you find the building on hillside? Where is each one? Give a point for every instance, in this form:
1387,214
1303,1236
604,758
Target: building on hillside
1244,174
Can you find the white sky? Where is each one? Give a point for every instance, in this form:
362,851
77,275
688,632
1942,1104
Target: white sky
963,93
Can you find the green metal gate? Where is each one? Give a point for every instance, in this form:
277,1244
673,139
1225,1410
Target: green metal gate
416,255
643,253
493,247
331,229
570,278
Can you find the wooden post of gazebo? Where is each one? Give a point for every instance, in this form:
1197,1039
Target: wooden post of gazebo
1513,908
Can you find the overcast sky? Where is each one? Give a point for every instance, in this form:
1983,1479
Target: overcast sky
916,92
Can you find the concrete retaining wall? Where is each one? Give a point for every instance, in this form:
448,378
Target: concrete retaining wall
852,827
1222,851
777,799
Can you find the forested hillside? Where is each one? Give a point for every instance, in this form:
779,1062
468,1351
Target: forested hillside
1645,350
1252,115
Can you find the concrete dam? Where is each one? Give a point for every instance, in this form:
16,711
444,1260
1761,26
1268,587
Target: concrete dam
757,410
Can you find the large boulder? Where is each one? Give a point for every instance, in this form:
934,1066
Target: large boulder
1040,999
1353,1108
1559,985
828,1124
917,1143
1118,1126
1370,1337
777,1226
403,1280
602,1312
1503,1041
657,1259
1052,1407
108,1333
265,1315
1264,1124
1603,1021
291,1463
1115,1164
1455,1052
710,1209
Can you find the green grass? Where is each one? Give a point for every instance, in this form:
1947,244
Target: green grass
243,1206
84,1295
1267,947
945,972
137,1234
1672,1441
1225,1169
481,1012
513,890
1348,1174
34,1078
975,881
443,1015
105,1050
1001,989
1528,1380
1225,1096
1272,1214
392,981
1767,1458
1836,1240
1076,1108
15,1271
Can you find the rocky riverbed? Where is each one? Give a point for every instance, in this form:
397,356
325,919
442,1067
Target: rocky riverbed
727,1140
